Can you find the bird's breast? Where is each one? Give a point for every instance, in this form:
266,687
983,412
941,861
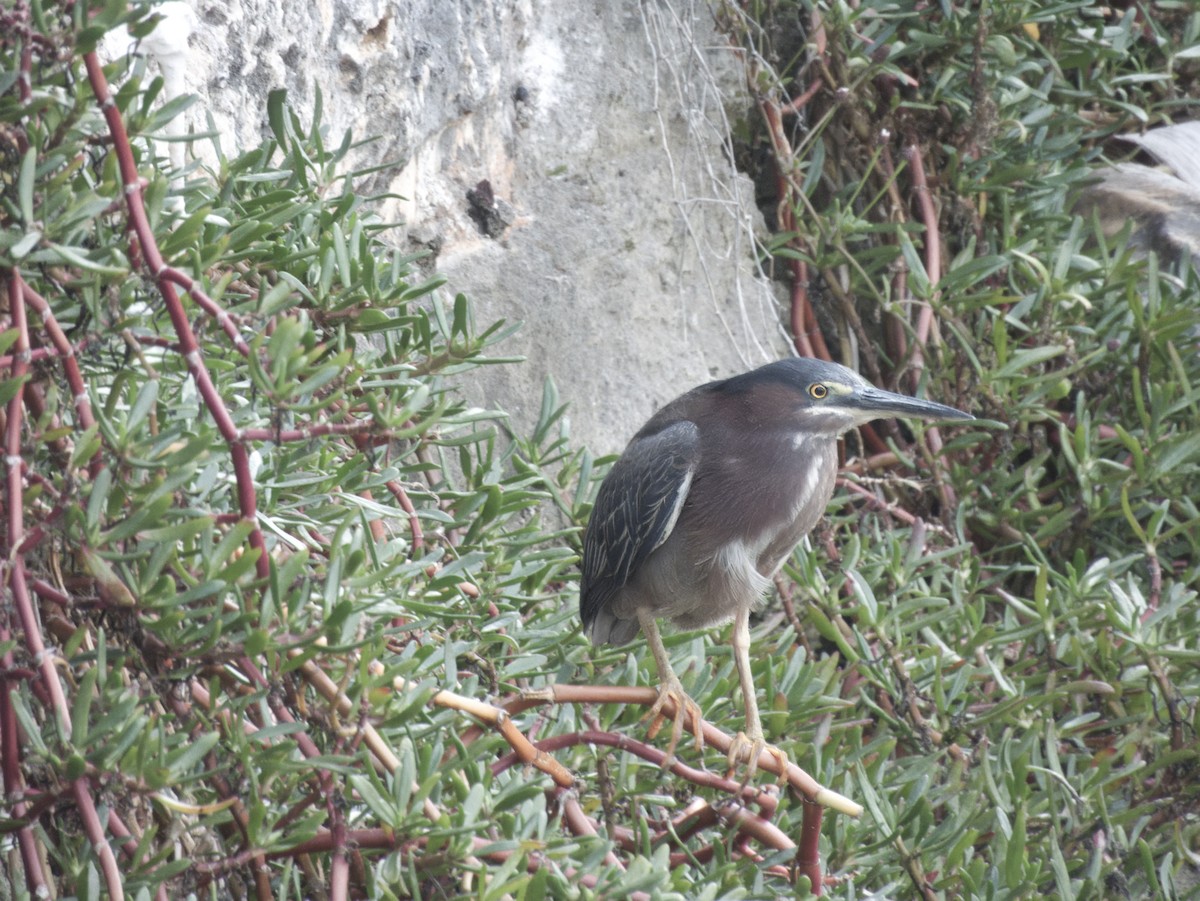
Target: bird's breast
753,506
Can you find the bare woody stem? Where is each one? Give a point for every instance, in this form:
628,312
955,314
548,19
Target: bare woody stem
43,657
165,279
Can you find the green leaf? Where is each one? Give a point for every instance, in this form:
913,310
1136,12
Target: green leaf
25,183
1026,358
183,760
277,115
61,254
26,244
146,398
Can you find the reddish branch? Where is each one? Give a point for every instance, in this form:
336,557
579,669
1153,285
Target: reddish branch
63,348
749,794
227,322
316,430
806,332
713,737
924,327
896,335
22,601
239,817
146,247
401,496
808,856
35,355
10,738
406,504
898,512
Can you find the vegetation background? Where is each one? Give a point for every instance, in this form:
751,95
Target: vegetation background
283,610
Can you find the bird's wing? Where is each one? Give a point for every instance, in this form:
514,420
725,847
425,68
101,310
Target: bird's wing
635,511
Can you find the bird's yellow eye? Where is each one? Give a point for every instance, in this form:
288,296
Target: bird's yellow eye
817,391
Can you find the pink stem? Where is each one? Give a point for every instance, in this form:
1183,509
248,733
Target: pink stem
165,279
23,602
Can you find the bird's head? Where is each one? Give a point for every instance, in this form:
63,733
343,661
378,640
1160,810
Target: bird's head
823,398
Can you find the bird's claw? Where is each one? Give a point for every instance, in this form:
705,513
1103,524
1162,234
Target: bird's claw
748,748
685,707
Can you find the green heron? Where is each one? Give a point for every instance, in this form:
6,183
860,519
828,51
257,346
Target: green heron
708,500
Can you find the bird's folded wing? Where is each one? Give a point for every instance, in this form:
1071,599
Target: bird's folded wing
635,511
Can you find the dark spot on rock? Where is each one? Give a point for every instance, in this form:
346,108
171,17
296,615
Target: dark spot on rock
490,215
351,74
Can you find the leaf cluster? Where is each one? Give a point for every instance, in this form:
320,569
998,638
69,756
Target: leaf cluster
1015,693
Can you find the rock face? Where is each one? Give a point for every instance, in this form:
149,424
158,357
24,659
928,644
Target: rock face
612,222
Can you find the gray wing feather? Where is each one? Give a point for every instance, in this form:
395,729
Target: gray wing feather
635,511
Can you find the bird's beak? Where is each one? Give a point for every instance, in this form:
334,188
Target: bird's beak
880,403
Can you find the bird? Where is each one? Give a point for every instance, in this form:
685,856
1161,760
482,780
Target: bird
705,504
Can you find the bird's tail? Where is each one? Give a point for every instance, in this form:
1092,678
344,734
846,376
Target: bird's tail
607,628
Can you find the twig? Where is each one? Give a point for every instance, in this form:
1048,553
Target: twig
500,720
714,737
808,854
165,278
79,395
44,658
317,430
226,320
702,778
129,845
891,509
580,824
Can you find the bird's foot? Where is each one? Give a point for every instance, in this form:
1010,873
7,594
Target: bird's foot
748,748
685,708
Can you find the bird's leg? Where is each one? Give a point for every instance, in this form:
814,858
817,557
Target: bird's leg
752,742
669,686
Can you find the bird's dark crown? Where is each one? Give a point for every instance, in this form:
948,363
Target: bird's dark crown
800,373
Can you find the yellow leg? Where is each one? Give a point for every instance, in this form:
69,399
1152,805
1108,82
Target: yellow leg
669,686
751,743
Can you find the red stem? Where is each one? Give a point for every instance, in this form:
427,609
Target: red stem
38,353
808,855
228,323
704,778
933,269
23,602
79,394
806,333
313,431
406,504
129,845
10,736
794,106
800,308
165,279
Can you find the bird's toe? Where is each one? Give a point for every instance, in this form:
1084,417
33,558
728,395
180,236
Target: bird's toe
685,709
748,749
